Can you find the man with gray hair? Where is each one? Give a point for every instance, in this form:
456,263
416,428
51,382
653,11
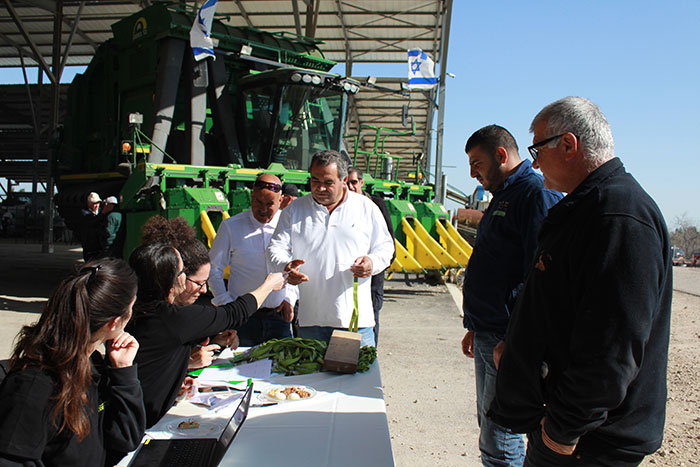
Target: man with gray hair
583,371
336,235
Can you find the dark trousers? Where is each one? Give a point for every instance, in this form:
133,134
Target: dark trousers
264,325
377,290
539,455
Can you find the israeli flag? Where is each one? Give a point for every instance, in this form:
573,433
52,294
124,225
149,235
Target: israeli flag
421,70
200,34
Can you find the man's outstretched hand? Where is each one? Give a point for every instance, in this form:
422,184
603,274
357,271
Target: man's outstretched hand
295,276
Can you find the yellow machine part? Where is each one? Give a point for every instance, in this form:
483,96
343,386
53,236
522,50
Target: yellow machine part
445,259
404,262
208,229
418,249
454,243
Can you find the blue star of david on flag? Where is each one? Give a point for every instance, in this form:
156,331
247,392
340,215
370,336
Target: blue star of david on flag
421,70
200,34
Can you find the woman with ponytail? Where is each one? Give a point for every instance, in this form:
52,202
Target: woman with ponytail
63,403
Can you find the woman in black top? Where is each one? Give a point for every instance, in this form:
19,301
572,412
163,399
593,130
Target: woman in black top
63,404
167,332
195,257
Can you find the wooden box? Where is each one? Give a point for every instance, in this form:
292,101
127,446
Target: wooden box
343,352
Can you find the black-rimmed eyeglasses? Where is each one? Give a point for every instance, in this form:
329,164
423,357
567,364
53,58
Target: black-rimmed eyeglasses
274,187
199,285
534,152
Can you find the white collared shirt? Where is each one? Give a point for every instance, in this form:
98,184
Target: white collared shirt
240,243
329,244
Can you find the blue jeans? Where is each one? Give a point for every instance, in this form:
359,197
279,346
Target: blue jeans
258,330
499,446
323,333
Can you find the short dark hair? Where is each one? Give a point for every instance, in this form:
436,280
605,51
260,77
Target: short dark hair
352,169
290,189
327,157
490,138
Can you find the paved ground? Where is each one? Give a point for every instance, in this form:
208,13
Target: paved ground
428,383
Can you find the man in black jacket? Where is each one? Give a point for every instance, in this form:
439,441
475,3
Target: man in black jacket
583,371
355,184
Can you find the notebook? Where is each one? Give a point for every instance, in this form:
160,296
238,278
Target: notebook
201,452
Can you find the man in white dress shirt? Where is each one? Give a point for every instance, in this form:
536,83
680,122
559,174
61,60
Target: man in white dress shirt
240,243
324,240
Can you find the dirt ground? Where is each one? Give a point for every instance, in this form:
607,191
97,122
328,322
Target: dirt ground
428,383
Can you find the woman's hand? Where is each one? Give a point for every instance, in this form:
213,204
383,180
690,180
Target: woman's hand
202,355
122,350
227,339
275,281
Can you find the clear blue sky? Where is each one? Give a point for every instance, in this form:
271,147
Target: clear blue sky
638,60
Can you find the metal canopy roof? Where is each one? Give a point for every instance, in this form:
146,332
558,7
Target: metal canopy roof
353,31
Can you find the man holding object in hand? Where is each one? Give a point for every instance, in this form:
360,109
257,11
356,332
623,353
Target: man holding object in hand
323,241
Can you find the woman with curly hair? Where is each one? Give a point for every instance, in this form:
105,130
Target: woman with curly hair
195,256
63,403
168,332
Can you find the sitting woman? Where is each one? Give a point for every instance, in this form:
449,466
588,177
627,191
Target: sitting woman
195,256
167,332
62,403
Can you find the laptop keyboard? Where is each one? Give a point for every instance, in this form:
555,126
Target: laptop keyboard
188,452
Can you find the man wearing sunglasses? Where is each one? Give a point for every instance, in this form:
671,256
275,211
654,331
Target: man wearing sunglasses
240,244
583,371
325,240
504,248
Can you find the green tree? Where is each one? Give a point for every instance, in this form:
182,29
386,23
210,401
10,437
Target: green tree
686,235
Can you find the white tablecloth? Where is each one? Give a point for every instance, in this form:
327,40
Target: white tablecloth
345,424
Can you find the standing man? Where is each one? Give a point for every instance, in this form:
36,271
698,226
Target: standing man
583,372
503,252
334,235
290,192
355,184
240,243
112,247
91,228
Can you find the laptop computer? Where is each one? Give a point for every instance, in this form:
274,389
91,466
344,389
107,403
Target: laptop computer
201,452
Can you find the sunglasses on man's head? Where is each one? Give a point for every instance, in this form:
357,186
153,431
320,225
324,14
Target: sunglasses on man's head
274,187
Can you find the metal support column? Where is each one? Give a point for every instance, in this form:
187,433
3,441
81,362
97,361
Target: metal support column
444,43
47,244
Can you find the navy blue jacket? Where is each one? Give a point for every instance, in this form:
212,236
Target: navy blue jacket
504,249
595,313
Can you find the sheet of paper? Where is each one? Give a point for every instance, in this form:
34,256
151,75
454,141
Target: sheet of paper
259,369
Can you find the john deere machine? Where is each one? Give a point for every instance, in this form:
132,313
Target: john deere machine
171,136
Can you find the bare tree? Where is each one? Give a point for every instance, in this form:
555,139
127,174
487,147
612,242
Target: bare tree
685,235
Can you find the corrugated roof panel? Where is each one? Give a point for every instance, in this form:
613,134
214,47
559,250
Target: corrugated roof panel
378,31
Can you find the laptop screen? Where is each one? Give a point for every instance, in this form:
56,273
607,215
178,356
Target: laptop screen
237,419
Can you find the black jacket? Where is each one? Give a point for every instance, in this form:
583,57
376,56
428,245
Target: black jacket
28,435
594,315
166,334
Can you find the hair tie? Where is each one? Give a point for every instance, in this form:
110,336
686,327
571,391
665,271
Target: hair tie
91,269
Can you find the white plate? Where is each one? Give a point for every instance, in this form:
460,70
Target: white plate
266,392
205,429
